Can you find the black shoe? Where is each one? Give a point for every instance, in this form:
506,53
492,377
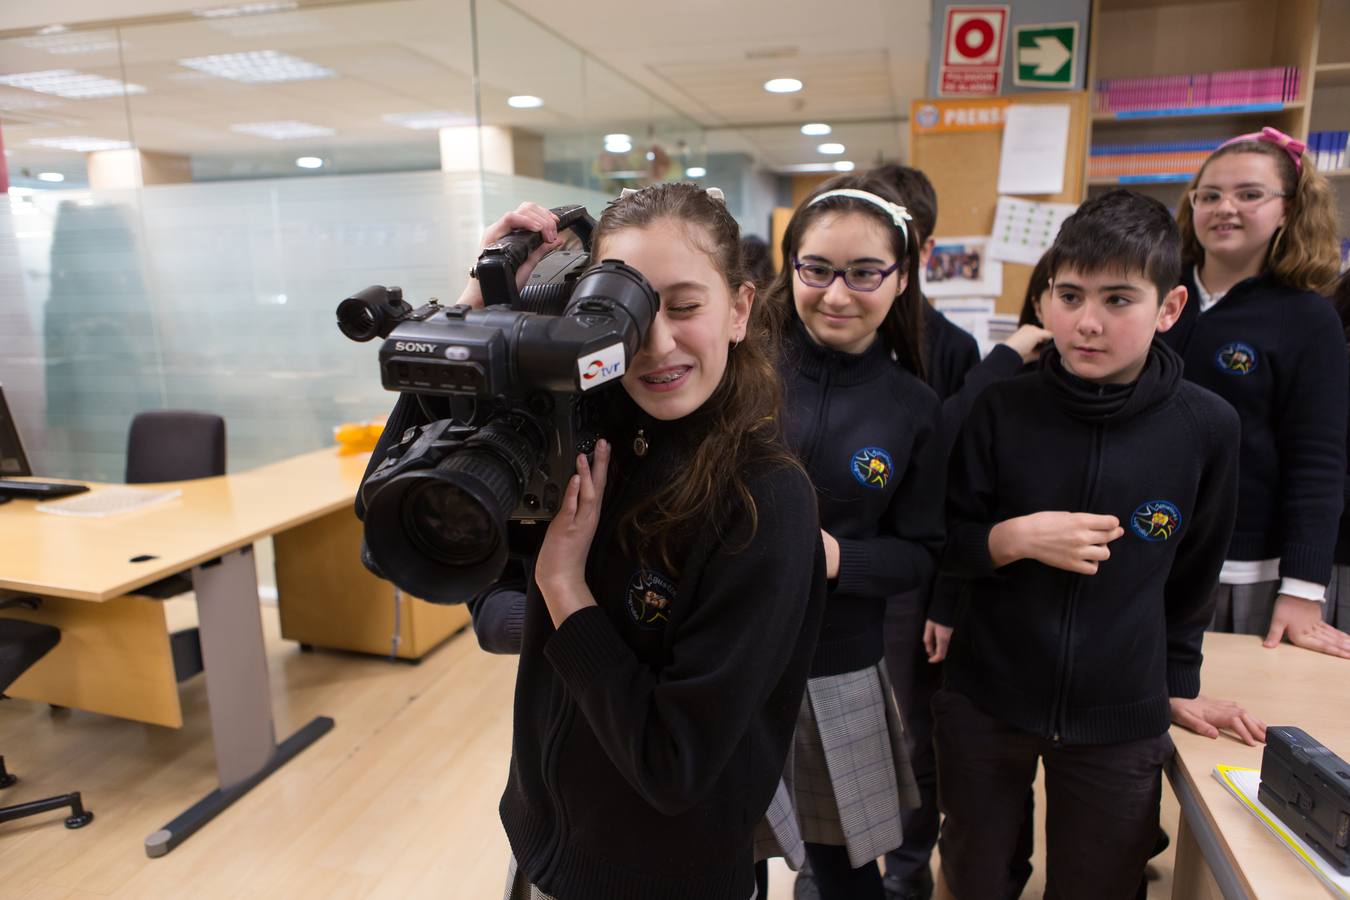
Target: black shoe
804,888
917,887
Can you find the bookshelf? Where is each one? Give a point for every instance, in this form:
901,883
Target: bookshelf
1150,38
1331,91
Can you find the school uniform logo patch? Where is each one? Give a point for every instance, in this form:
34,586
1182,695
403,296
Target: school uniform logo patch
650,596
1156,520
1236,358
872,467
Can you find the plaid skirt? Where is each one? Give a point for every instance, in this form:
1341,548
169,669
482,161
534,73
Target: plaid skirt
518,887
848,772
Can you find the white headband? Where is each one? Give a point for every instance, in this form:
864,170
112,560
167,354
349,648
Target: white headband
899,215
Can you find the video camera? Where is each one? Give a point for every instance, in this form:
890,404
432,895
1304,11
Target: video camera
525,367
1308,787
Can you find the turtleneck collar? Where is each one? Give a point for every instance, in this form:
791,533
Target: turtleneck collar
816,360
630,429
1102,403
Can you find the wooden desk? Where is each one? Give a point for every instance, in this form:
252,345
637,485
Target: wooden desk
1222,850
209,530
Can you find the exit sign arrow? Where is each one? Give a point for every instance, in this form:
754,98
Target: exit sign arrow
1046,55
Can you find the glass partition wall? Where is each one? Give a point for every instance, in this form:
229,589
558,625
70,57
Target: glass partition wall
190,197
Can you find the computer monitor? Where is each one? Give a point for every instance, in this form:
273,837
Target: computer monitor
13,461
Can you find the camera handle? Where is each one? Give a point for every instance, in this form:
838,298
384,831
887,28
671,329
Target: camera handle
497,264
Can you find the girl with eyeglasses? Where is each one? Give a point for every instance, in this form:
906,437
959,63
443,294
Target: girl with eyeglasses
850,317
1259,238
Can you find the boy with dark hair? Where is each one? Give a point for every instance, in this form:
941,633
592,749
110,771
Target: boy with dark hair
957,375
1090,505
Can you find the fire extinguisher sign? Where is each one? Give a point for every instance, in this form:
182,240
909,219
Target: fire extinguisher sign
972,50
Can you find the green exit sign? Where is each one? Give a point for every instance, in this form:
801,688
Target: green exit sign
1046,55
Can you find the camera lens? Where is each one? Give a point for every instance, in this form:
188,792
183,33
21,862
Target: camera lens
358,319
440,532
449,524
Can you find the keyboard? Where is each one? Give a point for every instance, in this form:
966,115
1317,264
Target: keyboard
38,490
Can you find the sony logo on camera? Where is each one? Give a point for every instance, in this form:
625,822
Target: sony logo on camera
414,347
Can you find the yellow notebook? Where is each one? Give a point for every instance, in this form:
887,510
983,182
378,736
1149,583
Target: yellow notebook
1243,783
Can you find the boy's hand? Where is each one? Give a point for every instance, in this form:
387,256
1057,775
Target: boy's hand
1028,341
936,638
1074,542
1206,715
1301,622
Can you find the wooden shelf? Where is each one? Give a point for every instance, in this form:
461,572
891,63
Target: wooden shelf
1336,173
1133,180
1213,112
1333,74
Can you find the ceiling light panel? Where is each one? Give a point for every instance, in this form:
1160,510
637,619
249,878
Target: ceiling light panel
287,130
70,84
80,144
65,43
429,120
245,9
258,67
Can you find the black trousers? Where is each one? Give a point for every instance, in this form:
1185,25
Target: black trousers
1102,805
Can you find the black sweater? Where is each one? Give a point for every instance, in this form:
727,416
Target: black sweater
955,371
957,375
868,433
1091,659
1278,356
650,731
949,353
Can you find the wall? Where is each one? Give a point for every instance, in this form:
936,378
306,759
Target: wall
1021,12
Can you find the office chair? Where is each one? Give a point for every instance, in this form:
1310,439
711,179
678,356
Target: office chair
22,644
176,445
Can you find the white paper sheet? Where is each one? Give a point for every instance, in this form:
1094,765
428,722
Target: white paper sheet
1024,230
108,501
1035,142
971,314
1244,784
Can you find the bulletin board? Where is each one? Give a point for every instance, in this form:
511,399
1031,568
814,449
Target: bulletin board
957,144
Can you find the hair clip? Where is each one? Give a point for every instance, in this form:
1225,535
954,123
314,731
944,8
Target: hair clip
1291,145
714,193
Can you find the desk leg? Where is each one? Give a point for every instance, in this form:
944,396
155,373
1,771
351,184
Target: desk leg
1203,870
238,693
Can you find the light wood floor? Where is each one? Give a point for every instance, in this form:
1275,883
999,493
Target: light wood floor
399,800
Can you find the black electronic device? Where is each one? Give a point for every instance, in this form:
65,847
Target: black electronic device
13,461
527,365
38,490
1308,788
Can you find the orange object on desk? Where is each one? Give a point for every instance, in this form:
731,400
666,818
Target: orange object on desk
357,437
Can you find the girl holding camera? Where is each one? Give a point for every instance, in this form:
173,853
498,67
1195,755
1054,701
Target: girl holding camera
666,623
868,431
